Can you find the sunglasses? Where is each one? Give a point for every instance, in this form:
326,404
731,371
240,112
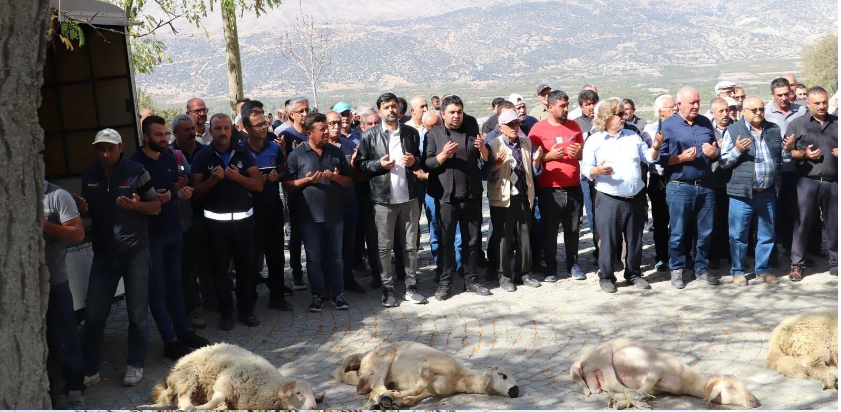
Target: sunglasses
199,111
754,111
334,123
621,114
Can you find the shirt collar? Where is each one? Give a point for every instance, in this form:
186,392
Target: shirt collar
233,147
389,132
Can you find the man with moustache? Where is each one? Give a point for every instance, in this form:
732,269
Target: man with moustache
541,111
198,111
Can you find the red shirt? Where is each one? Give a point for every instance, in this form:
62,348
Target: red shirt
566,171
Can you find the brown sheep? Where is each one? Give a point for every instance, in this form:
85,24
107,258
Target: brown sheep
806,345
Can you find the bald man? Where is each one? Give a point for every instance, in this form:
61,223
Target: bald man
792,81
418,107
198,111
688,151
752,186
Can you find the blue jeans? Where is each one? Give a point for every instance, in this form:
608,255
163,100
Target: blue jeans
349,240
166,297
63,338
323,246
588,206
435,232
690,206
742,210
106,271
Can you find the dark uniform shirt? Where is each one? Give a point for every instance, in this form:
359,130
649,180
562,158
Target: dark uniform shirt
164,173
187,155
679,136
226,196
808,131
267,160
291,135
114,229
320,202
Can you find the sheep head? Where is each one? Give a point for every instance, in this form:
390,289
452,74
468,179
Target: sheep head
500,381
348,372
300,395
728,390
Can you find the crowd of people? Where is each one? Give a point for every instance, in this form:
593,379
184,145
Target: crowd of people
193,215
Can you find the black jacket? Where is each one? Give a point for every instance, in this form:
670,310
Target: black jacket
440,184
374,145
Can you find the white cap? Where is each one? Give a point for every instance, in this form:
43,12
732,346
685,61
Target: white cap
730,101
508,116
516,99
724,85
108,136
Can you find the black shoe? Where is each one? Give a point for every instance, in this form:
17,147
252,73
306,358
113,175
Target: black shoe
287,291
355,287
280,304
506,285
249,320
639,283
298,284
339,302
477,289
607,286
317,303
376,282
530,282
175,350
226,324
388,299
443,292
191,340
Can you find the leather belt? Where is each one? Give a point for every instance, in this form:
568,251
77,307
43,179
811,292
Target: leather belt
228,216
824,179
760,190
690,182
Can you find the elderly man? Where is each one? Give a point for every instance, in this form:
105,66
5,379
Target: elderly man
722,89
526,121
816,152
739,96
792,81
198,111
418,108
719,249
665,107
344,110
752,149
688,151
511,198
541,111
612,159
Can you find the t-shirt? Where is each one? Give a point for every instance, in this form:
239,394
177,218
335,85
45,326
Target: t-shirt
59,207
319,202
566,171
399,184
291,135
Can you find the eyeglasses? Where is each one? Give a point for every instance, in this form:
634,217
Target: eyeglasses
334,123
755,110
739,96
302,111
199,111
259,125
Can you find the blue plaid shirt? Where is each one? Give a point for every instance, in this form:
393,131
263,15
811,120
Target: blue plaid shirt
763,164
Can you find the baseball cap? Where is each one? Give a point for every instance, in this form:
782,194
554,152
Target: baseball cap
730,101
508,116
341,107
724,85
108,136
541,88
516,99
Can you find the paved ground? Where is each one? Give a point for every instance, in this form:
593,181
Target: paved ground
537,333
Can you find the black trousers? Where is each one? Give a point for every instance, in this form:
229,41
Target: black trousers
196,276
660,214
268,238
815,197
618,217
233,239
560,206
467,213
512,226
720,236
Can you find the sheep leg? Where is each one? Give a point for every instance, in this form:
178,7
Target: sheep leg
217,399
417,393
221,388
185,400
828,375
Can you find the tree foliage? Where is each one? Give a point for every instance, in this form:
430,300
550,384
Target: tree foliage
308,47
145,101
820,63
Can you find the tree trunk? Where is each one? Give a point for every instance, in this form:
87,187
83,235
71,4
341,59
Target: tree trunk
315,98
229,19
23,276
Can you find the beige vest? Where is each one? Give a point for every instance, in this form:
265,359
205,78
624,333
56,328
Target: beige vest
499,190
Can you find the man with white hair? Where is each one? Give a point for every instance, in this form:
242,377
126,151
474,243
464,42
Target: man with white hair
665,107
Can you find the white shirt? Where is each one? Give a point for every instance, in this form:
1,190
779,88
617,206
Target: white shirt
623,153
399,184
648,135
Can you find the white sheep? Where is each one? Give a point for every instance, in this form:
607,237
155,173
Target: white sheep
806,345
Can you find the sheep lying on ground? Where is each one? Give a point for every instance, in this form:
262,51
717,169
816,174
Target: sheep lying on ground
630,372
225,376
404,373
807,346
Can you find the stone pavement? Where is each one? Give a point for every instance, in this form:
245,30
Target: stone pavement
537,333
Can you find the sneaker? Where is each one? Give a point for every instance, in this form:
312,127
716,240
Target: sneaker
477,289
710,279
74,401
550,279
661,266
443,292
191,340
133,376
530,282
354,287
607,286
506,285
298,284
577,273
226,323
339,302
412,295
769,278
677,279
249,320
726,279
280,304
317,303
92,380
176,350
387,298
197,320
639,283
287,291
